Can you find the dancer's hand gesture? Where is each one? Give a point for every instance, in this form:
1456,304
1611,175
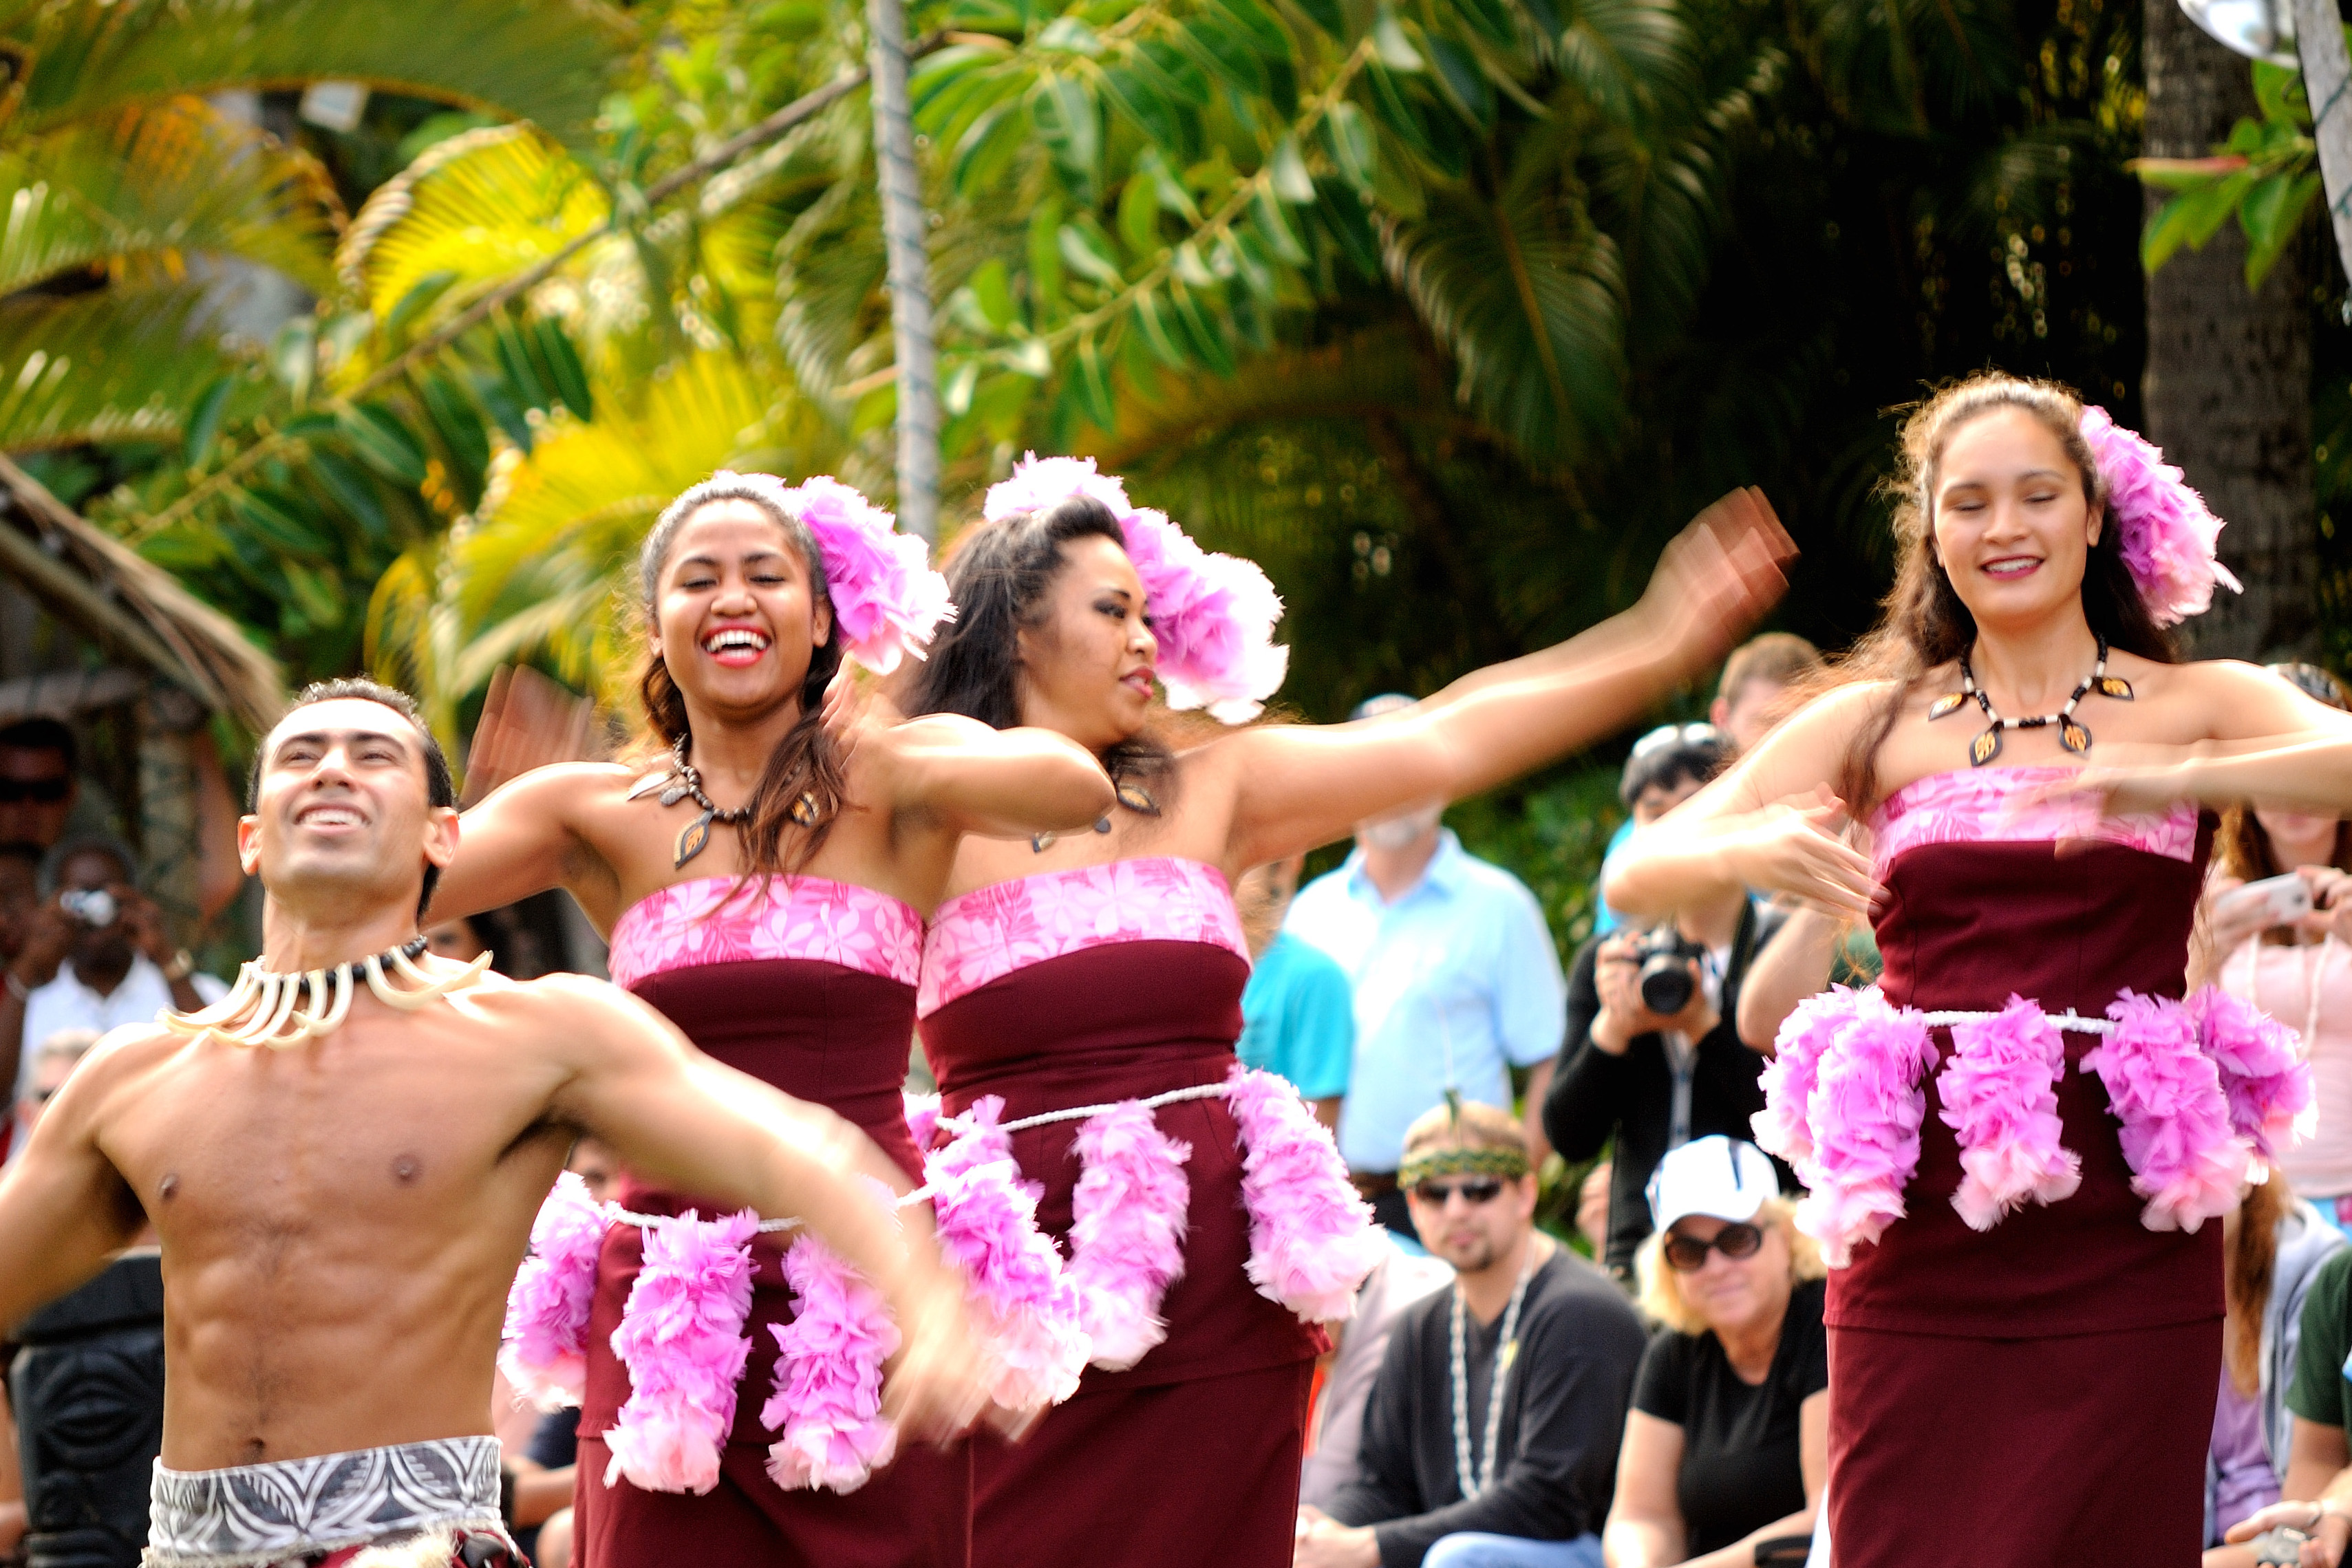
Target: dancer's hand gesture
528,721
1798,848
857,713
1717,578
935,1389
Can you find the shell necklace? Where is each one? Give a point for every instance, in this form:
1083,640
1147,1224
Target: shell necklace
2075,736
1477,1478
265,1008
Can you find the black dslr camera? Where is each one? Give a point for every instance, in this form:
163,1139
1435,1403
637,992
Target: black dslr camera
1669,971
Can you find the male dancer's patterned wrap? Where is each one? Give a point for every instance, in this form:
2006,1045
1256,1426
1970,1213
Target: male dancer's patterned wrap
332,1507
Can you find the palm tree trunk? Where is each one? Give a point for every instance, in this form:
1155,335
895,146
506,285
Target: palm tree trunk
904,230
2226,388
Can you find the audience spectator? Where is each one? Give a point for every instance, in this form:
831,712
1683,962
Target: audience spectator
1402,1277
1727,1447
20,894
2273,1247
1298,1018
96,955
1464,1465
52,1062
38,784
2317,1490
1750,698
1455,982
1645,1081
2299,972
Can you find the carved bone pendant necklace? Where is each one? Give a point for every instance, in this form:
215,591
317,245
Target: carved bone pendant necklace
2073,734
683,781
1131,795
282,1011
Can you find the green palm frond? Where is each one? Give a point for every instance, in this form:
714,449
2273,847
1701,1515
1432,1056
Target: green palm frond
548,61
161,181
124,364
473,210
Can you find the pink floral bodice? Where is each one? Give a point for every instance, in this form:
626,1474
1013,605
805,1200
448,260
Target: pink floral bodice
1980,806
988,933
727,920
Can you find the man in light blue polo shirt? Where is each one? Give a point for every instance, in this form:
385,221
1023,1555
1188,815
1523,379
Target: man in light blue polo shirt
1456,980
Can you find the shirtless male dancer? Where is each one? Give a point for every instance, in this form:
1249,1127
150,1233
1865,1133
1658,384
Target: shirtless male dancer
343,1202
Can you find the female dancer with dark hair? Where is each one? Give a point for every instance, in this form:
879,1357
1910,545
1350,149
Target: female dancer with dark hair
2013,1143
764,884
1097,969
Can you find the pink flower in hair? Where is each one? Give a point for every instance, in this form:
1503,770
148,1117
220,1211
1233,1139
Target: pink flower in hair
1213,614
886,600
2166,533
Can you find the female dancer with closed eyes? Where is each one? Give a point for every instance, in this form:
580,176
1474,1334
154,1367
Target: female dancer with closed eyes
1089,968
764,884
2014,1143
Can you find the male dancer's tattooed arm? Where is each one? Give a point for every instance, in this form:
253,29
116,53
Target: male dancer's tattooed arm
693,1124
64,1209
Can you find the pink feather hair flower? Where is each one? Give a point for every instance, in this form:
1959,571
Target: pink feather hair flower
1212,615
827,1404
2168,536
1864,1111
2186,1158
1127,1231
1313,1241
682,1339
544,1353
2263,1075
886,600
1998,1094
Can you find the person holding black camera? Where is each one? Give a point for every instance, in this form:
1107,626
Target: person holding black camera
1654,1057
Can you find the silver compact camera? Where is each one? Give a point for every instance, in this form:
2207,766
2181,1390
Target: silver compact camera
93,906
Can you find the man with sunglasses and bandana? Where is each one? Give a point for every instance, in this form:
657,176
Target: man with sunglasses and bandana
1493,1429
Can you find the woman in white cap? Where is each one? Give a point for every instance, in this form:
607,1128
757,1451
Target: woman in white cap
1727,1447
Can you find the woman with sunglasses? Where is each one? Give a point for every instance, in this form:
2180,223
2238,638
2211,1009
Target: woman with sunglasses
1727,1447
2017,1147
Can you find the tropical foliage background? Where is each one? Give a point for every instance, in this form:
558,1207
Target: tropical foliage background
1448,312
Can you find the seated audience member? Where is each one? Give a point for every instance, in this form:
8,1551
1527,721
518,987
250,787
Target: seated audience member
38,785
49,1065
2315,1489
1401,1279
1299,1012
1493,1426
1727,1449
1651,1081
20,894
2272,1246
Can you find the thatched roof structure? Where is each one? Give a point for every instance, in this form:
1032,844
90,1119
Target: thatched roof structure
128,606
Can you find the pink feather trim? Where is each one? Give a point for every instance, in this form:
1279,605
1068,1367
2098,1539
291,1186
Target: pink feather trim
1025,1311
886,600
544,1354
827,1402
1312,1238
2262,1071
1127,1233
1864,1113
2185,1158
1997,1092
682,1339
922,1112
1787,1078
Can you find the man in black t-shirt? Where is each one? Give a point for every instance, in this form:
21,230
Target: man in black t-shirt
1491,1435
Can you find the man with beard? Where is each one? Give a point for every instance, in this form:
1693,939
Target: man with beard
1491,1437
343,1160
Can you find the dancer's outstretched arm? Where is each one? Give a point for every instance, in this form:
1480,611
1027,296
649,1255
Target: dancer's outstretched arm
1295,787
64,1207
956,775
2266,743
685,1122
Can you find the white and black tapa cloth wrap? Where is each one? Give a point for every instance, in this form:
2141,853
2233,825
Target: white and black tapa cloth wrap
251,1516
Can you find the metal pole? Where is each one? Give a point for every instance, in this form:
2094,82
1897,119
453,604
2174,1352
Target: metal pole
905,226
2327,71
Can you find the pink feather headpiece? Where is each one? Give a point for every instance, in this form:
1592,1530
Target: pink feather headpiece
2166,533
886,600
1212,615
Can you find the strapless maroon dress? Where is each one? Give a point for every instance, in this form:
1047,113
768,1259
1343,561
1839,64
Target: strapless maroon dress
809,987
1081,988
2042,1392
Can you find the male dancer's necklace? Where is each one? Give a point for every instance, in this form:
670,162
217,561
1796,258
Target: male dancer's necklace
2073,736
273,1010
1507,1351
1132,796
684,780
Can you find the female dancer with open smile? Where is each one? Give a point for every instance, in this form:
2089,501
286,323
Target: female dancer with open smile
2013,1144
764,882
1101,971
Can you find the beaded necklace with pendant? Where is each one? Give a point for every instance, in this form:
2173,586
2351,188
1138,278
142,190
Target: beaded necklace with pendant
2073,734
683,781
1477,1478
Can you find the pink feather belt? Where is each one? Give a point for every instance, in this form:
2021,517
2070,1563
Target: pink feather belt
2206,1090
1041,1319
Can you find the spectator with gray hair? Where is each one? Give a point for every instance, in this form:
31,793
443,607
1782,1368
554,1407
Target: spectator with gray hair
47,1065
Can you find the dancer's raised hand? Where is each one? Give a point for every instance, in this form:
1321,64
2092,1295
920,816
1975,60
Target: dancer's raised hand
1717,577
935,1389
528,721
856,713
1798,848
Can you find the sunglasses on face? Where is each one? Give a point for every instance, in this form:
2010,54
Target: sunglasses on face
1474,1189
1687,1254
42,791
